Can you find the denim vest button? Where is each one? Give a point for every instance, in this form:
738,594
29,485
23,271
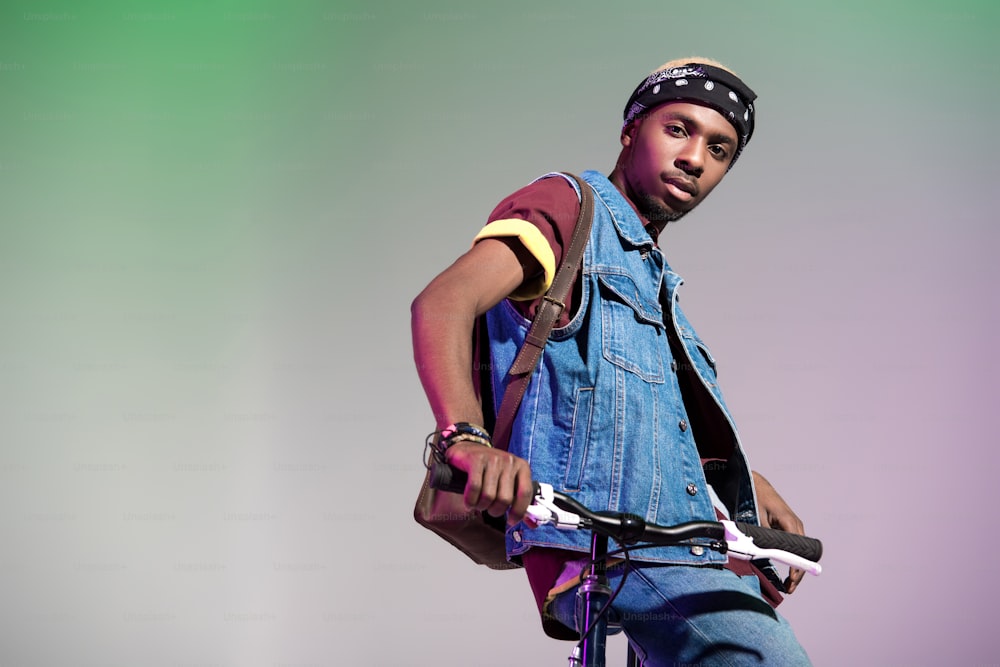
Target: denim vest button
673,365
517,536
698,550
683,425
692,489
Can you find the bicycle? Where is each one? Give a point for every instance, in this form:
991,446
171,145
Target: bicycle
739,540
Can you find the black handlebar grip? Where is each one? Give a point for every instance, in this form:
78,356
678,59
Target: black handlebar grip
769,538
446,478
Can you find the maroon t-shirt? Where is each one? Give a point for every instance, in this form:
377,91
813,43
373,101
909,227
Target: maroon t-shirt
552,206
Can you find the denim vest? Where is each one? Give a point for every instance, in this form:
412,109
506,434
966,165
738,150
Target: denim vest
603,418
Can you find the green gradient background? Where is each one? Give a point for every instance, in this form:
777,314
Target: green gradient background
213,218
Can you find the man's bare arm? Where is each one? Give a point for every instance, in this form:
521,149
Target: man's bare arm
442,318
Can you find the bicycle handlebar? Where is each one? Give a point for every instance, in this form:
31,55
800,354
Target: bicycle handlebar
741,540
770,538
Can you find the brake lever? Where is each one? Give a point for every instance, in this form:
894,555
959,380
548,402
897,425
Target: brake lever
543,511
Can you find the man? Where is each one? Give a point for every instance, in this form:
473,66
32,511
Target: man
623,411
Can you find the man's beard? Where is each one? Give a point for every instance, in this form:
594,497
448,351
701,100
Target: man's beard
656,212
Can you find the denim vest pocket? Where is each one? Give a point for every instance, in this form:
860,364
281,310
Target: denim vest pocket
706,355
576,456
700,354
635,349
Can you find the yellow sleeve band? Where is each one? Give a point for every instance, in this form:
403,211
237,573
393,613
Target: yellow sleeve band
535,243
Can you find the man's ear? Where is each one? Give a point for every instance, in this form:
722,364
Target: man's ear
629,131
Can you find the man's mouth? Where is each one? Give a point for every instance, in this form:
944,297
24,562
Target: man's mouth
682,189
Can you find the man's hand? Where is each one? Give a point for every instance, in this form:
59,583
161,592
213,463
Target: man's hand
498,481
775,513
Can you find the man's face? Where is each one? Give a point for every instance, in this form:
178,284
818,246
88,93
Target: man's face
673,158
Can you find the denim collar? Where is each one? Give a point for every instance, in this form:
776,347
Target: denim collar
626,221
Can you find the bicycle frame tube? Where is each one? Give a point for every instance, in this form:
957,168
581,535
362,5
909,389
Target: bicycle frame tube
592,596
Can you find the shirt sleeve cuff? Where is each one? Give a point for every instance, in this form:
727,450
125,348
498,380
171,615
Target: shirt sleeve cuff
535,243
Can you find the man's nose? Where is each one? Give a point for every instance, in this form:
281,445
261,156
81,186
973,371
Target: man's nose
691,158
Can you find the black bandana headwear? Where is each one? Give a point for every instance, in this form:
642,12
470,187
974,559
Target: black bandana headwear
714,86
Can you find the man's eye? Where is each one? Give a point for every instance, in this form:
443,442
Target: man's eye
718,151
676,130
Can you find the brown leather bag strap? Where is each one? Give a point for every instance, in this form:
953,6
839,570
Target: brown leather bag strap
550,308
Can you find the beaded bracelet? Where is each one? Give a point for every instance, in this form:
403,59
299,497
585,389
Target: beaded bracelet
458,437
460,431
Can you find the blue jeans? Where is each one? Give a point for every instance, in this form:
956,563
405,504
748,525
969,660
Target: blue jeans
676,614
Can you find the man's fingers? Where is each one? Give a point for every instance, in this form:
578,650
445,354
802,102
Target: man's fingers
499,482
794,577
464,458
492,493
474,487
503,491
524,489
